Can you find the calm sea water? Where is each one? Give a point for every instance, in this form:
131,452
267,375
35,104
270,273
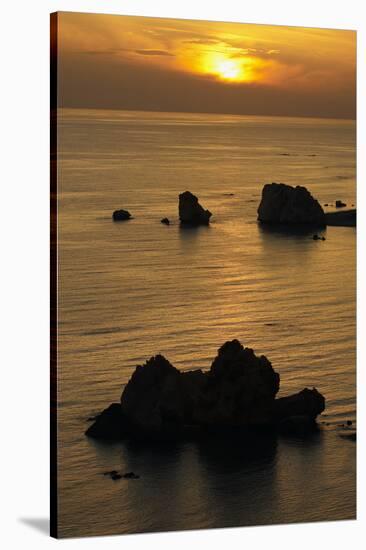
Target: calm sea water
130,290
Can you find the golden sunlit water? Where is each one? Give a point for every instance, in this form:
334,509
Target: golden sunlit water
130,290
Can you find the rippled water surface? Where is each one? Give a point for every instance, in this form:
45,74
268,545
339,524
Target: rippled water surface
130,290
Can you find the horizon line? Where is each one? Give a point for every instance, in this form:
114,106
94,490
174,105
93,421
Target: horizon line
206,113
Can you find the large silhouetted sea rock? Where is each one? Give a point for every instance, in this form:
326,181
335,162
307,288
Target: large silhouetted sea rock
284,204
238,392
190,210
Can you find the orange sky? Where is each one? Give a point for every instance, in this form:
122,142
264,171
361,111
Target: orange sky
120,62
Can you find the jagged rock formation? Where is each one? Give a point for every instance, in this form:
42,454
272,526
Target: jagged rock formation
190,210
238,392
284,204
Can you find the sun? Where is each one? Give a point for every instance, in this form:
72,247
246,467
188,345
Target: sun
229,69
223,67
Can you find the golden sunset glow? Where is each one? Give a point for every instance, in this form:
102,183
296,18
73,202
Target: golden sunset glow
219,65
154,64
228,69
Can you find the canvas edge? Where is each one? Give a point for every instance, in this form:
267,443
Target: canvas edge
53,276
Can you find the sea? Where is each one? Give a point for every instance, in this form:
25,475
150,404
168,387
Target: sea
130,290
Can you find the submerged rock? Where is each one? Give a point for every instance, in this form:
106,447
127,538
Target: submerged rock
284,204
165,221
340,204
110,473
190,210
238,392
131,475
121,215
115,475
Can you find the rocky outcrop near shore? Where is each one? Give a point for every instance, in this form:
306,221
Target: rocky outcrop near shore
284,204
238,392
191,212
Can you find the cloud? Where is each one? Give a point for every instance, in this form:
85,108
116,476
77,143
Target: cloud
253,52
202,41
154,52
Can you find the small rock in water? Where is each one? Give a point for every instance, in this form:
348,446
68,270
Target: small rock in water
190,210
121,215
340,204
165,221
318,238
326,204
114,474
130,475
349,422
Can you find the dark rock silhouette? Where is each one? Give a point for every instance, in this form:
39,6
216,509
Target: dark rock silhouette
109,424
131,475
345,218
284,204
121,215
340,204
190,210
152,400
240,389
307,403
114,474
318,238
165,221
238,392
